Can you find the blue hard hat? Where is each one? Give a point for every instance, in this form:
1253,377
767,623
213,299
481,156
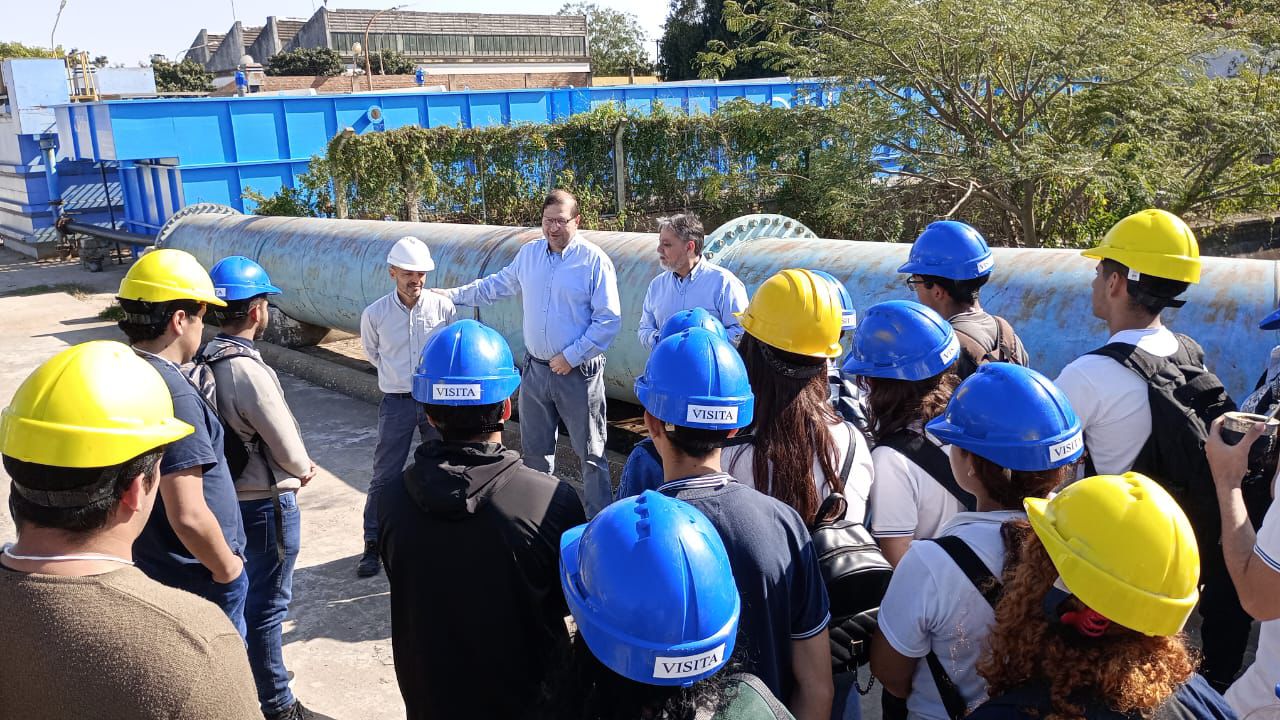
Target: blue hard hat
239,278
949,249
1270,322
902,340
696,379
1014,417
695,318
650,587
465,363
848,314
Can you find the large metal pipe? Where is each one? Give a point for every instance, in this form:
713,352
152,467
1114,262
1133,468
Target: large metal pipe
331,269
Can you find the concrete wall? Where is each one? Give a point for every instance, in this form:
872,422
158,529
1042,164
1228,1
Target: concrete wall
312,35
227,58
267,44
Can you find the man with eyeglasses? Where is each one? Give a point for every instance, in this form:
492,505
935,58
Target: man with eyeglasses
947,267
571,315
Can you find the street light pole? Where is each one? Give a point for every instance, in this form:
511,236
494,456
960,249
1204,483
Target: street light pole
367,70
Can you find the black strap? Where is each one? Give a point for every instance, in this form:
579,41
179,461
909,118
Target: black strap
254,443
847,467
920,450
989,587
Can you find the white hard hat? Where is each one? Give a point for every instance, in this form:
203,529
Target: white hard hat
410,253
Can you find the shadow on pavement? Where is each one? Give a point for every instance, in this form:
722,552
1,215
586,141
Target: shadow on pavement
330,602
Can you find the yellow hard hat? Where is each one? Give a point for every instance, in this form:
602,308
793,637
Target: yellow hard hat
167,274
92,405
796,311
1123,546
1153,242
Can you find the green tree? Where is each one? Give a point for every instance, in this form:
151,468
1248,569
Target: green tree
305,61
1044,119
616,38
186,76
18,50
390,62
691,26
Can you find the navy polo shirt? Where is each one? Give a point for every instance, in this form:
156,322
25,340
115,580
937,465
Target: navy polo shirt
159,546
774,566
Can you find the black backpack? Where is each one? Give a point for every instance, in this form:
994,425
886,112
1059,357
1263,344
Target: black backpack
1185,399
200,373
855,573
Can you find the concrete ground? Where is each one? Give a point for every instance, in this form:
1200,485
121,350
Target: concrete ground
338,637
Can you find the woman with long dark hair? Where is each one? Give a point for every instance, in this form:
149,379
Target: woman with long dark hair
798,449
1013,435
1089,624
903,354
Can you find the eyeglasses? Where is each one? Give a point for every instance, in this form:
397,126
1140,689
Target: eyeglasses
557,222
912,282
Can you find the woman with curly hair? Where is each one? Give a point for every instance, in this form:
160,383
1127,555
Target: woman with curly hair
902,355
1013,435
1090,621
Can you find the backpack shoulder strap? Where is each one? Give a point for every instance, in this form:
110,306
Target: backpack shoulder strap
989,587
972,566
917,448
1139,361
1006,340
847,467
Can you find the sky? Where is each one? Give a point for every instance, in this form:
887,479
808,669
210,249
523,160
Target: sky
129,31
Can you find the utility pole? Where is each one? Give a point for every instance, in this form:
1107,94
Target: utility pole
367,70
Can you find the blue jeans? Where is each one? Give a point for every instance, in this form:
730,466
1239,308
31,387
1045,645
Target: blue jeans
398,416
578,399
270,589
195,579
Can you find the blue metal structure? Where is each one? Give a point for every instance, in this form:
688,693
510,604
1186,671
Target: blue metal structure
330,270
177,152
35,188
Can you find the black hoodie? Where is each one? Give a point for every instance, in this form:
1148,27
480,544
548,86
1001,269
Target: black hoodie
470,538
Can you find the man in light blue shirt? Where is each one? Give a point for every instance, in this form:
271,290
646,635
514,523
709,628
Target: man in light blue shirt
571,315
689,281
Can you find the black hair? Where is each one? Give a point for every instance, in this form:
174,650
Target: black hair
582,688
462,423
697,443
85,518
147,320
963,292
1150,294
235,315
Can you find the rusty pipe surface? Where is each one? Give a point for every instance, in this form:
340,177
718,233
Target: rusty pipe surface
331,269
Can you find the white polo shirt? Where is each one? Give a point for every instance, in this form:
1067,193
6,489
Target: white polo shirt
1256,689
1111,400
931,605
739,461
906,501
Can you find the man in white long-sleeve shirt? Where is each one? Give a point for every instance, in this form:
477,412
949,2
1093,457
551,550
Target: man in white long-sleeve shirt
689,281
394,330
571,315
